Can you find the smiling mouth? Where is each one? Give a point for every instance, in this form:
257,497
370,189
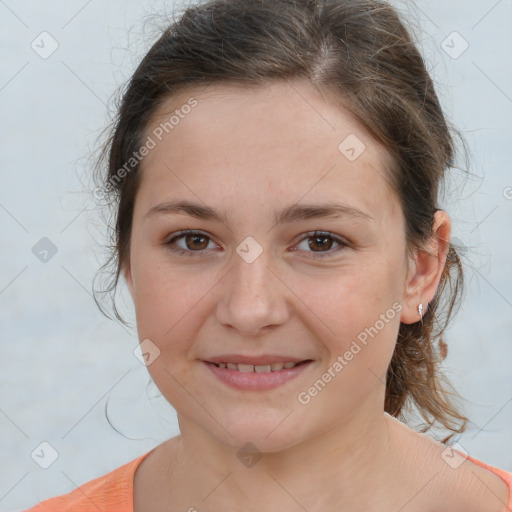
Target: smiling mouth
268,374
263,368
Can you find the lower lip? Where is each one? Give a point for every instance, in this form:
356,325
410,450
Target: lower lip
256,381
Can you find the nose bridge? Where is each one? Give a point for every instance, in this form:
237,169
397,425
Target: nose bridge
252,296
252,277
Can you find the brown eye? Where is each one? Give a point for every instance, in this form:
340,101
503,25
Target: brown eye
191,242
195,241
321,243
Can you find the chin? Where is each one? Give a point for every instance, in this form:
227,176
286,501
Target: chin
267,435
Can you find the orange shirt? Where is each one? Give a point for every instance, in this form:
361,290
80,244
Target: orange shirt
113,492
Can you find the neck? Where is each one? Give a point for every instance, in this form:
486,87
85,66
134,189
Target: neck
347,463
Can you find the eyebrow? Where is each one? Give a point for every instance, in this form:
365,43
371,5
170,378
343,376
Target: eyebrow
293,213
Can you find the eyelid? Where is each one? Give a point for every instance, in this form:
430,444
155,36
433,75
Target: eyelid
342,242
181,234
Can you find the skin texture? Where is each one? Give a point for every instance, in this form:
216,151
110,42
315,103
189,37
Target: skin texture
248,153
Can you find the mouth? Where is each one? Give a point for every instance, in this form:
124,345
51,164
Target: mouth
259,368
258,376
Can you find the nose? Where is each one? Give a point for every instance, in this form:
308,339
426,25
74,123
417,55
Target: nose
252,297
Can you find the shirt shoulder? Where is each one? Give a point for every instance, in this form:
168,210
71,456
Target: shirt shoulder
506,476
112,492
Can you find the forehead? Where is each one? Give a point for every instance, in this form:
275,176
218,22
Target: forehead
279,142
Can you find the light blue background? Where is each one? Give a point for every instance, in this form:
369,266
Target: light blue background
61,359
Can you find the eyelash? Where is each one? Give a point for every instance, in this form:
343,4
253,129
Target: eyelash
319,254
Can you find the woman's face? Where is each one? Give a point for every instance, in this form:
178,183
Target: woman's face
256,280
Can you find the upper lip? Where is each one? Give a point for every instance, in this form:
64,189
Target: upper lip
262,359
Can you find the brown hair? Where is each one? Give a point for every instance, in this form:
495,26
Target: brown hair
358,50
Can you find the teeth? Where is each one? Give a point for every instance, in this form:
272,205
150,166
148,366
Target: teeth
245,368
264,368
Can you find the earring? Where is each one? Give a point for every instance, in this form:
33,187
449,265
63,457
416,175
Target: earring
420,310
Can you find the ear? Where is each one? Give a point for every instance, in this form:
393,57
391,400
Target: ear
127,274
426,270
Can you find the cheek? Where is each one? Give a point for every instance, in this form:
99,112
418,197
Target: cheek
356,314
358,330
169,310
172,305
163,294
